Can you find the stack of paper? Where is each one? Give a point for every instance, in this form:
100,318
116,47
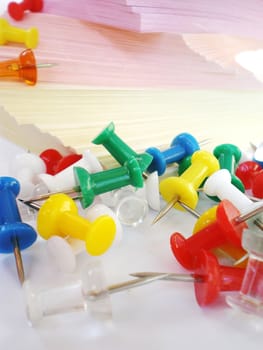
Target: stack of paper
151,85
95,56
237,17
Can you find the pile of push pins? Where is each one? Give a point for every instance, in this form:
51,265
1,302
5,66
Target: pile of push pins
24,67
78,205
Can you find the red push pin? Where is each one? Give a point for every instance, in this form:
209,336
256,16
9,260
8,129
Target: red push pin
16,10
227,228
56,162
257,185
246,171
209,278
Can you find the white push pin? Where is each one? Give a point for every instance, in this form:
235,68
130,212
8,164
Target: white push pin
65,179
219,184
152,191
63,252
25,168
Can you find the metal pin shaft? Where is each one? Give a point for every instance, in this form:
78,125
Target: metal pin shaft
119,287
169,276
250,213
170,205
19,261
165,210
47,195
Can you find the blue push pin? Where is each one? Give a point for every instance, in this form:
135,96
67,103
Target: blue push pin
182,146
14,234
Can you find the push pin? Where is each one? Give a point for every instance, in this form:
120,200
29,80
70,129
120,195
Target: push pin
15,235
56,162
246,171
182,146
184,188
227,227
64,179
100,182
209,278
16,10
23,68
219,184
250,296
8,33
59,216
119,149
88,294
91,185
228,156
233,254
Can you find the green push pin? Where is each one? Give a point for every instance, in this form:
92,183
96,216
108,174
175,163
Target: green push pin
119,149
94,184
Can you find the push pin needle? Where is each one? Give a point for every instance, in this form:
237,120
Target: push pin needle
18,260
119,287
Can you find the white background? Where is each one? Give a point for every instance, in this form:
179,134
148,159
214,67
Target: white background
162,315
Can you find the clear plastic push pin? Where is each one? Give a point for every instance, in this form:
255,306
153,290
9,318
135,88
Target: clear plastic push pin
250,297
131,209
87,294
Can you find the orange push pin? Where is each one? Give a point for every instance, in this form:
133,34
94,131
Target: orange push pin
9,33
24,67
59,216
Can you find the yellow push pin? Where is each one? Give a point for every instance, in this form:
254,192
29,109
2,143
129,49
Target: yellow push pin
183,189
59,216
9,33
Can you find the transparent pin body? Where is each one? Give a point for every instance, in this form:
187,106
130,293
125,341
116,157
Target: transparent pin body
131,208
129,204
250,297
71,297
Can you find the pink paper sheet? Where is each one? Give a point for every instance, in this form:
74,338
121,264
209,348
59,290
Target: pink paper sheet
235,17
98,56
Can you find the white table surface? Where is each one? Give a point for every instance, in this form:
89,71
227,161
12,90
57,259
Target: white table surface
158,315
162,315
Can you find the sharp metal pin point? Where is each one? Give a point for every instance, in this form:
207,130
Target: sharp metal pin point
15,234
209,278
185,186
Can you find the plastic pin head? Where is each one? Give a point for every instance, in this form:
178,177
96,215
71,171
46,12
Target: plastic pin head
8,33
16,10
59,216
